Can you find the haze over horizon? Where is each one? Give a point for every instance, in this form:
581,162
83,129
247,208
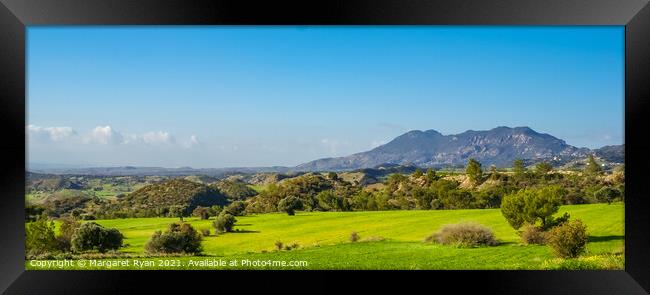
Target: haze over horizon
281,96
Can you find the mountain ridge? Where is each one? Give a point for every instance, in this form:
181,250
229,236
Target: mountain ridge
429,148
498,146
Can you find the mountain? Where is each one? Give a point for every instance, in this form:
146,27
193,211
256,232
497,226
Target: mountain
157,171
612,153
498,146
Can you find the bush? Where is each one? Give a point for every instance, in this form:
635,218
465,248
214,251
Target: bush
607,194
178,238
290,205
202,212
568,240
531,234
278,245
354,237
291,246
224,223
235,208
39,237
205,232
92,236
66,230
464,235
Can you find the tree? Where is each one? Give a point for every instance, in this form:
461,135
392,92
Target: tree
431,175
202,212
543,168
178,238
215,210
332,176
494,174
607,194
592,167
39,237
473,171
235,208
519,168
177,211
532,205
66,230
290,204
417,173
92,236
328,200
224,223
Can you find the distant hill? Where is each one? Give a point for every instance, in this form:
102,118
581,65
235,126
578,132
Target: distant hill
612,153
159,171
175,192
498,146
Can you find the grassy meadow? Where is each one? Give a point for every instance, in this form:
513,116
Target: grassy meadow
388,240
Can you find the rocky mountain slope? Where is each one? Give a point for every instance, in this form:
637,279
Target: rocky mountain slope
498,146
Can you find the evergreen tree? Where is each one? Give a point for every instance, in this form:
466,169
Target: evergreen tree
592,167
473,171
518,168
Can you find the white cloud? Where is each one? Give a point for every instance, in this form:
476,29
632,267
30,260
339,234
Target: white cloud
104,135
157,138
107,135
193,142
49,134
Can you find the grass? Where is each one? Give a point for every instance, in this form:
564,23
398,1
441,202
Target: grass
258,188
324,239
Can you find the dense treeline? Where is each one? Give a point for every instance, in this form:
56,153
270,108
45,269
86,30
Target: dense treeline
429,191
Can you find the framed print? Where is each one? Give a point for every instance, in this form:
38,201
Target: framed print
497,144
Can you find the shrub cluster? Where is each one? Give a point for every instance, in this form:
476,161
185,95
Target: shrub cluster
569,239
178,238
224,223
532,235
464,235
92,236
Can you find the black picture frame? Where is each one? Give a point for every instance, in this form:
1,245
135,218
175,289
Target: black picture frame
15,15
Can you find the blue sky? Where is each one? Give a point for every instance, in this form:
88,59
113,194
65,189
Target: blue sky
260,96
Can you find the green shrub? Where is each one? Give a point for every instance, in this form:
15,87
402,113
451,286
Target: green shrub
235,208
224,223
39,237
92,236
66,230
201,212
464,235
205,232
568,240
290,204
178,238
532,235
278,245
607,194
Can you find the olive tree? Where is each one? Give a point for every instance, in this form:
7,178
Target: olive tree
533,205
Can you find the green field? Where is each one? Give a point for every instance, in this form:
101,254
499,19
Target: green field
389,240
